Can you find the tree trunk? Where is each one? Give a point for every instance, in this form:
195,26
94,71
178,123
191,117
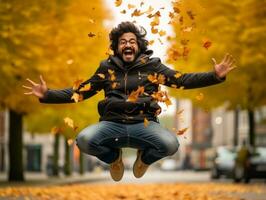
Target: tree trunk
67,165
15,147
81,163
236,126
251,131
56,155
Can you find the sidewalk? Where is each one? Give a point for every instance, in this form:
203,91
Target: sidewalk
41,179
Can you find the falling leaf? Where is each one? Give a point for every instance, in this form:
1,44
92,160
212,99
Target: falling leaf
154,30
77,97
77,83
200,96
123,11
178,74
112,76
114,84
181,131
162,33
156,21
207,44
102,76
191,15
149,11
131,6
133,97
160,41
143,60
181,20
136,13
69,122
171,15
55,130
70,142
85,88
174,54
151,42
146,122
141,3
180,111
118,3
90,34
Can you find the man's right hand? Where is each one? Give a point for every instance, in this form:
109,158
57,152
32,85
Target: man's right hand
36,89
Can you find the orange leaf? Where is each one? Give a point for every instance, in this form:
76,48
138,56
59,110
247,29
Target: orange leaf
181,131
133,97
131,6
136,13
180,111
156,21
162,33
187,29
191,15
85,88
154,30
178,74
92,21
118,3
77,84
114,84
207,44
161,79
146,122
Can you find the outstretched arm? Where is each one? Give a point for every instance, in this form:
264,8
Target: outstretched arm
197,80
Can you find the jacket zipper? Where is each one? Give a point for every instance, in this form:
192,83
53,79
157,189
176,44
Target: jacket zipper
125,83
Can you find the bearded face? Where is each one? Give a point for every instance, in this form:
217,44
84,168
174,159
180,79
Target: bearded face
128,47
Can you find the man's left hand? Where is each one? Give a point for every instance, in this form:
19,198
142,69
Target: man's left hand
221,69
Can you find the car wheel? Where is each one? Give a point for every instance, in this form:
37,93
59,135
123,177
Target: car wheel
238,173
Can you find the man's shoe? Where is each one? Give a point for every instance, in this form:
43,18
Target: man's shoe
117,168
139,167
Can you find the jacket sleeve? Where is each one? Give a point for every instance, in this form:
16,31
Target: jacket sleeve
176,79
64,95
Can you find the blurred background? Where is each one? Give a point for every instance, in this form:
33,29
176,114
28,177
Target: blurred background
65,40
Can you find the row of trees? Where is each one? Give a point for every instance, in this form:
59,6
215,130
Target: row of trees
62,40
236,27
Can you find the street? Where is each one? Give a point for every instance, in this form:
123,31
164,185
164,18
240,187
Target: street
183,185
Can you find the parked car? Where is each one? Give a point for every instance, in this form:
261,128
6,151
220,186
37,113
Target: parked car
223,162
254,167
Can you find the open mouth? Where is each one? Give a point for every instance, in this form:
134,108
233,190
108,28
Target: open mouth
128,53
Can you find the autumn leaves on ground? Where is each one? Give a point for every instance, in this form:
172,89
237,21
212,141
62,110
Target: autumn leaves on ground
200,191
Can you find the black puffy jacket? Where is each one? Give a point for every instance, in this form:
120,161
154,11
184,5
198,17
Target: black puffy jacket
118,80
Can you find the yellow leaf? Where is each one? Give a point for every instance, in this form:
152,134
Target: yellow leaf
131,6
114,84
178,74
102,76
151,42
55,130
75,97
70,142
181,131
118,3
123,11
133,97
200,96
85,88
146,122
162,33
69,122
136,13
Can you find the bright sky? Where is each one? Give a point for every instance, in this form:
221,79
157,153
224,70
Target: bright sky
164,6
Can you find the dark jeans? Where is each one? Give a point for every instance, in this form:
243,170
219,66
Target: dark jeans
104,140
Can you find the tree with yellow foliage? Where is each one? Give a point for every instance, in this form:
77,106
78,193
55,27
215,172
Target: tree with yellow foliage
56,39
224,26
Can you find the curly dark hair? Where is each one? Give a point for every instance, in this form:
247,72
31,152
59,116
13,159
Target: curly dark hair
126,27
